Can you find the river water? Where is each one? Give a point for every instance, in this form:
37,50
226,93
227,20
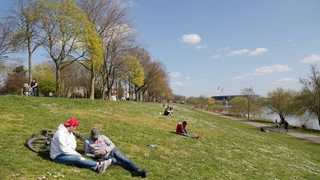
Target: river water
310,122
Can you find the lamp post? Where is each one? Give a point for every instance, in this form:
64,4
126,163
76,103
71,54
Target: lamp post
248,98
248,107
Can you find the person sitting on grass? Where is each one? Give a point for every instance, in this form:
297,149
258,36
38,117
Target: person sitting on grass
100,147
262,129
63,149
168,111
182,130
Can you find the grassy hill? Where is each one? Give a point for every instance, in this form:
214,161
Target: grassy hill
226,150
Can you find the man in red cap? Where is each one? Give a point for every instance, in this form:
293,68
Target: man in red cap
63,148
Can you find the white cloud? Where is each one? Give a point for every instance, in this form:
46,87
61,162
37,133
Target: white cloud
220,53
277,68
175,74
272,69
239,52
191,38
285,80
180,84
258,51
311,59
188,78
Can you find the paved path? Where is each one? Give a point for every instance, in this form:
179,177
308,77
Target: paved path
290,132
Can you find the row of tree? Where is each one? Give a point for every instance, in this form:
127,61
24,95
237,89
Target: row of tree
88,41
304,103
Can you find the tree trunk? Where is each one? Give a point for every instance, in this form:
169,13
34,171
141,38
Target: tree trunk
92,85
282,118
30,65
58,81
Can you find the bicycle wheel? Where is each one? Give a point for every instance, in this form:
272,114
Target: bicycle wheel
39,143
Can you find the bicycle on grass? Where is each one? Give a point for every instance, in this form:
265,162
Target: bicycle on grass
42,143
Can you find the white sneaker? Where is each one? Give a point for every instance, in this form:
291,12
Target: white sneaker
104,165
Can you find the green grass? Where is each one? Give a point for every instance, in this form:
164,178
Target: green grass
226,150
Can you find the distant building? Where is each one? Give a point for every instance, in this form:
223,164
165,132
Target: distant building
225,97
228,98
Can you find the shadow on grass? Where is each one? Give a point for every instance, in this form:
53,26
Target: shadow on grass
44,155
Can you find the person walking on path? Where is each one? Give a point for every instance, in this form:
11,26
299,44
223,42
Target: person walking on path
63,149
100,147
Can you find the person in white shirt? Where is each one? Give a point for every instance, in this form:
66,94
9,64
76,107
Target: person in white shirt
63,149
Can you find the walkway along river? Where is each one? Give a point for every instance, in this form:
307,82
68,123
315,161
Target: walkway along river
291,132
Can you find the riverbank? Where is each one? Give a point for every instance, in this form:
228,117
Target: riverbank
291,132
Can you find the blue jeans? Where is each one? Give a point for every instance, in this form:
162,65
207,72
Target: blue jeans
75,160
120,159
187,135
35,91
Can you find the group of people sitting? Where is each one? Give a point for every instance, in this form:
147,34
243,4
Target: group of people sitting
168,111
98,147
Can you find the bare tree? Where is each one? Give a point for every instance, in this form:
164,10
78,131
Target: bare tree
249,93
110,19
27,35
310,93
6,29
156,85
75,78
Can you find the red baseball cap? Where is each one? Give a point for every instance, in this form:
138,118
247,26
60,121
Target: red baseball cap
72,122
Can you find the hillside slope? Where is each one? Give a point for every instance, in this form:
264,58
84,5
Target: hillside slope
227,149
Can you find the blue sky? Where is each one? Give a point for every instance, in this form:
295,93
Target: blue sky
218,47
213,47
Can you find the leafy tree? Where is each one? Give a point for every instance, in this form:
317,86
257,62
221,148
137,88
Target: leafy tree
156,83
133,74
45,78
15,80
283,102
202,102
69,34
239,105
179,98
310,94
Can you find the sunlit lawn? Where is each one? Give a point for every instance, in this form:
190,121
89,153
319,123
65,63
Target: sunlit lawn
226,150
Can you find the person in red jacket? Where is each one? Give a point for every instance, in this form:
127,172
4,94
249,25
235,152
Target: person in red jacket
182,130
